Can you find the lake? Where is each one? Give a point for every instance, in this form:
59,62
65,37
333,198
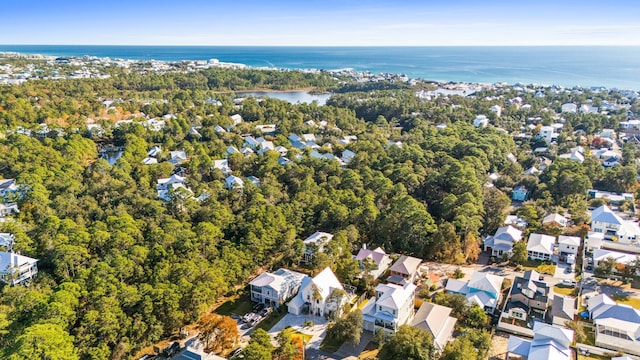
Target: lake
293,97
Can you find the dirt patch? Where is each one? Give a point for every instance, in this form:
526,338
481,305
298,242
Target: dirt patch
498,346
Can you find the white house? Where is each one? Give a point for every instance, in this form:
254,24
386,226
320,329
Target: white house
548,133
540,247
550,342
321,294
483,289
437,321
315,243
481,121
7,209
236,119
222,165
555,219
165,186
604,220
155,151
378,260
496,109
568,245
7,240
569,108
177,157
233,182
16,269
620,258
390,308
617,325
563,309
574,155
502,241
8,186
273,289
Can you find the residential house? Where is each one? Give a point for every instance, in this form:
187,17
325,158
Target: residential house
404,270
604,220
168,185
568,245
7,209
573,155
251,142
8,187
540,247
496,109
233,182
372,262
254,180
502,241
16,269
347,156
548,133
177,157
266,128
195,353
550,342
556,220
617,325
232,149
282,150
154,124
483,289
563,309
621,259
528,298
236,119
323,294
481,121
222,165
273,289
593,241
515,221
569,108
284,161
219,129
520,193
437,320
532,171
315,243
390,308
7,240
155,151
149,161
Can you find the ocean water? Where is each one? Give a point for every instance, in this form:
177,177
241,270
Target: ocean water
290,96
610,66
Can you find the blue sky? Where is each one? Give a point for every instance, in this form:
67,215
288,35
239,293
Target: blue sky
317,23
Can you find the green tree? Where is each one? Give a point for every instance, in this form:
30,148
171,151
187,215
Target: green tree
259,347
409,343
348,328
519,251
44,341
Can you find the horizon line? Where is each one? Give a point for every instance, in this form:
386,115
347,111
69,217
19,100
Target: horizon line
315,46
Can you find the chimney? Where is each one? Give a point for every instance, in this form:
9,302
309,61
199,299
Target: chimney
364,246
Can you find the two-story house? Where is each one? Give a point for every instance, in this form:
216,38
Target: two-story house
16,269
617,326
404,270
604,220
502,241
483,289
528,298
273,289
437,321
520,193
372,262
171,184
321,295
390,308
540,247
568,248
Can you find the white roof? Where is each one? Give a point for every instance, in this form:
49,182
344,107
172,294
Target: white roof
555,217
326,281
406,265
174,179
394,296
508,233
569,240
541,243
605,215
8,259
619,257
6,239
435,319
318,236
629,228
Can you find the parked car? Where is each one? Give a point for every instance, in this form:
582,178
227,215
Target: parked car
257,307
235,352
567,282
266,311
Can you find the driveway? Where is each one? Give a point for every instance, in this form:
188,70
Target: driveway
347,350
561,272
297,322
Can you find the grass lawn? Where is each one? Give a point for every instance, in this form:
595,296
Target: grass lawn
624,299
239,306
370,351
539,266
591,335
272,319
297,334
566,291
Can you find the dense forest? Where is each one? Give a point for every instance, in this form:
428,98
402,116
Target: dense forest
121,269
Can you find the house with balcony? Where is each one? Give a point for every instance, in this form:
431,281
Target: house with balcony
372,262
540,247
273,289
390,308
502,241
17,269
483,289
321,295
404,270
528,298
604,220
617,325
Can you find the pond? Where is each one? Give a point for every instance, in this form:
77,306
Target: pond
293,97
